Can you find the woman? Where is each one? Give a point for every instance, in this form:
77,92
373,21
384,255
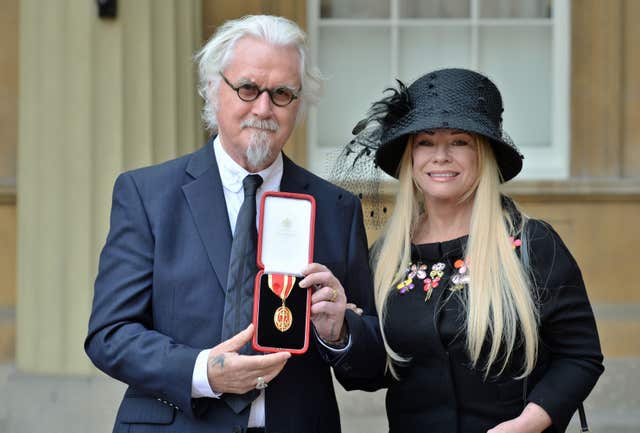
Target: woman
483,311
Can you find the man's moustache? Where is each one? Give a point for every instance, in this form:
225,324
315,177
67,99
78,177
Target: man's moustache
269,125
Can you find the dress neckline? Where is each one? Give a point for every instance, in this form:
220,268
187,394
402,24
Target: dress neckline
440,250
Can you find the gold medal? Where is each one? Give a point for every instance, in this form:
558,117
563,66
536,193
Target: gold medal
282,285
283,318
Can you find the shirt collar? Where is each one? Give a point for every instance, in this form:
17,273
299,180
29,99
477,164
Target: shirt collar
232,174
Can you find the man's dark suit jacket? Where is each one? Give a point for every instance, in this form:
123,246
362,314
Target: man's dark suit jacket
160,293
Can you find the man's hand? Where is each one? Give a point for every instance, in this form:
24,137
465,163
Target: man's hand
229,372
328,302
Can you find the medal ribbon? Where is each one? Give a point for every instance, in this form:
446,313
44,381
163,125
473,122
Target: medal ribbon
281,285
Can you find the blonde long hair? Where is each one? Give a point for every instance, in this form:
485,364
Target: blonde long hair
499,301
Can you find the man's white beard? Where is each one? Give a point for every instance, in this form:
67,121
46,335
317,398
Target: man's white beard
258,152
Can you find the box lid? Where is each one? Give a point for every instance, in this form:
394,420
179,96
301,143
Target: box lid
285,236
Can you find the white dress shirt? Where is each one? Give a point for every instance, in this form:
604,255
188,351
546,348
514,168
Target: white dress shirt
232,175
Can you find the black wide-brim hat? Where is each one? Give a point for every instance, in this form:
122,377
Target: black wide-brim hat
458,99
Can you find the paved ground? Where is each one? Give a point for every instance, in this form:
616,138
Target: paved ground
45,404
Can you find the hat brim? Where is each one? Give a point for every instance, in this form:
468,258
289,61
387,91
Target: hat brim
394,142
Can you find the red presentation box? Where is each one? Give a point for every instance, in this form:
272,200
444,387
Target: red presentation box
281,308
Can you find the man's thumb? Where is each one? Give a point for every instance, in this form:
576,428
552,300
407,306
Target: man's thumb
236,342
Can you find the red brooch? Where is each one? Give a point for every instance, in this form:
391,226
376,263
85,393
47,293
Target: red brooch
515,243
436,274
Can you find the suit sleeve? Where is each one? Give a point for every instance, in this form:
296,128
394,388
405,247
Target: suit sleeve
121,340
568,334
366,357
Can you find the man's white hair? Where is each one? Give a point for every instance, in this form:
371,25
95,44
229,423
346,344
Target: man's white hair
217,53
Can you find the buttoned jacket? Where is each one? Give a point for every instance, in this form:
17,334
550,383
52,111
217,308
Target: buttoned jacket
160,294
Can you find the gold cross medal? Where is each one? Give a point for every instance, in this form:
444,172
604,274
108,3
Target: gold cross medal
282,285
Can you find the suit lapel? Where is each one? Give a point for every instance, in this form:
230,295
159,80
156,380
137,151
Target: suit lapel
293,178
207,204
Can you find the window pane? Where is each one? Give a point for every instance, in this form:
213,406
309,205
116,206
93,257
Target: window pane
423,49
434,8
515,8
354,9
356,61
519,61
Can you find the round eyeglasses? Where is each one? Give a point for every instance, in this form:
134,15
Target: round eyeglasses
248,92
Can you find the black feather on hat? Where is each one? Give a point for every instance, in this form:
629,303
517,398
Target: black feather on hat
381,116
387,110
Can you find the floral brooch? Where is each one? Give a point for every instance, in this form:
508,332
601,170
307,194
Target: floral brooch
419,270
460,278
515,243
436,274
414,270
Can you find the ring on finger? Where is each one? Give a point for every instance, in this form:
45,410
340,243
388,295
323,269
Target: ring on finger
334,295
261,383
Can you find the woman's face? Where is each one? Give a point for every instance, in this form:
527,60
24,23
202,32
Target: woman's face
445,164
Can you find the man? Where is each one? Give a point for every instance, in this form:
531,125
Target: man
162,306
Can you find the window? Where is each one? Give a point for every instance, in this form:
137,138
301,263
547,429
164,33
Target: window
522,45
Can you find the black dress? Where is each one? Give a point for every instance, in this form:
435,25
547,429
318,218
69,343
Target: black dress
439,391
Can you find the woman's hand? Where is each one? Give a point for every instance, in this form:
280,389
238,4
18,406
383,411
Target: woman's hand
533,419
328,303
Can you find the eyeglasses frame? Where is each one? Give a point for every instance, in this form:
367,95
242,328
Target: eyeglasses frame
260,91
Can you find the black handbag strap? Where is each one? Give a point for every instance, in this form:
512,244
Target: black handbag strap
584,427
